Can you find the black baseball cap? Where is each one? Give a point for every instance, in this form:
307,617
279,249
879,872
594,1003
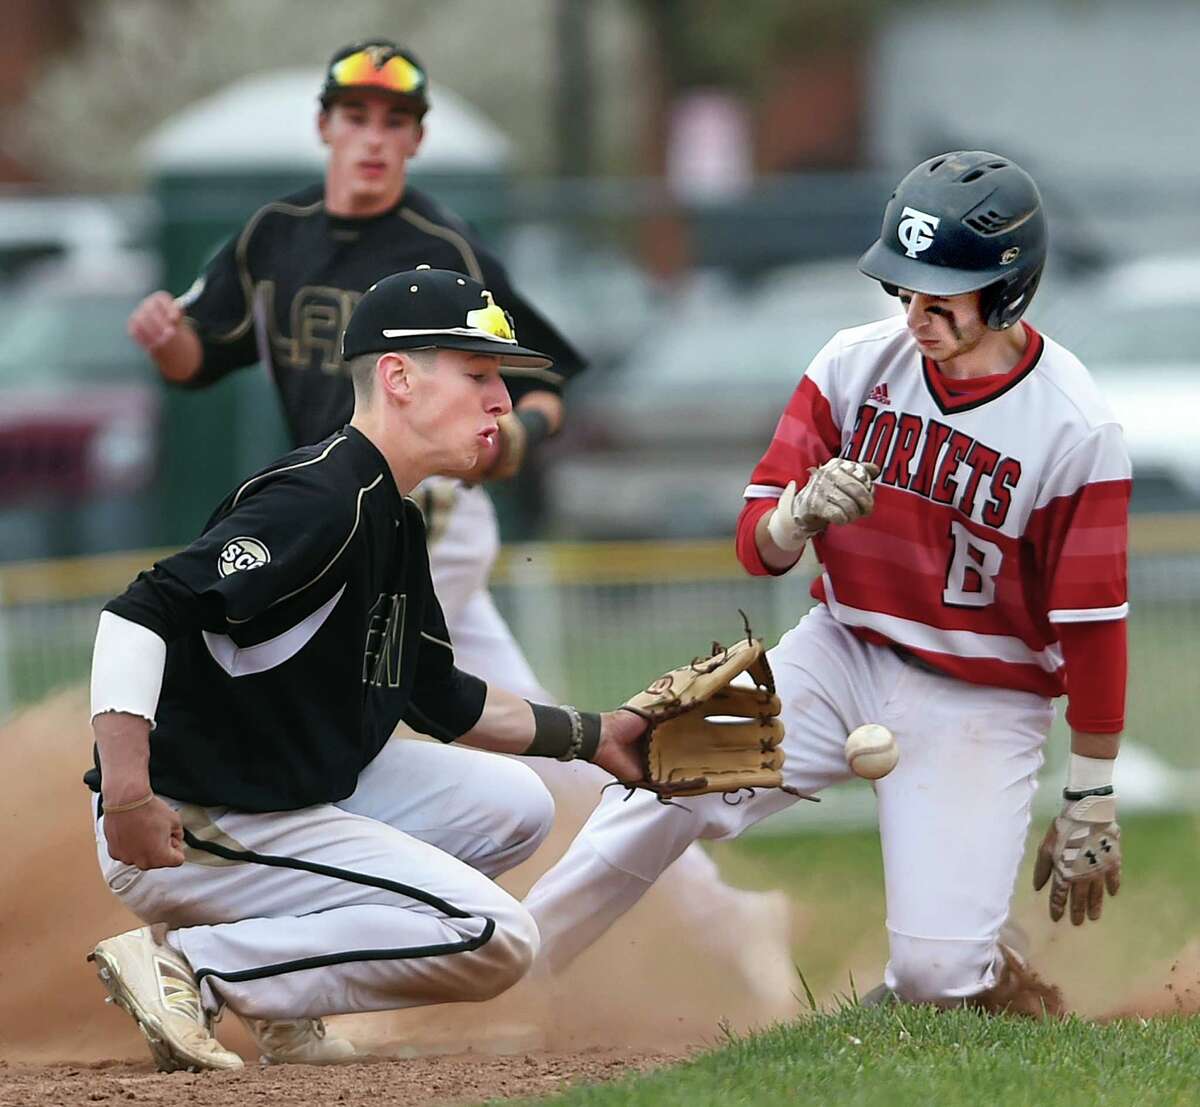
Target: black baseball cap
424,309
376,65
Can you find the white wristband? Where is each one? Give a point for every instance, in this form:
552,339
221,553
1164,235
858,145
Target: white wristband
127,668
1086,773
784,533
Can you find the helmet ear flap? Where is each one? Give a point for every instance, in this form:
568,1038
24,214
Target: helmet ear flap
1002,304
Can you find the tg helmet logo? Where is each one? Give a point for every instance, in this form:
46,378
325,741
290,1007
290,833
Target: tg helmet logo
916,230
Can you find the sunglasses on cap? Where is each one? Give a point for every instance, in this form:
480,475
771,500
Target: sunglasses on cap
376,67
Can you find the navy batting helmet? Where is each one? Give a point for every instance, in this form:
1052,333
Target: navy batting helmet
963,222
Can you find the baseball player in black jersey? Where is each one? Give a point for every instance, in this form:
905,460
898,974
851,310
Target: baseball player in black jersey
281,291
291,859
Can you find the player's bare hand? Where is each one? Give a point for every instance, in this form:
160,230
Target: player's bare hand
1080,857
155,321
620,749
149,837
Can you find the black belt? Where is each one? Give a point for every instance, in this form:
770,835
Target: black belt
911,659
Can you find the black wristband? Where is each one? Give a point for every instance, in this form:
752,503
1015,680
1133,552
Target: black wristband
563,732
1107,790
552,732
591,735
536,424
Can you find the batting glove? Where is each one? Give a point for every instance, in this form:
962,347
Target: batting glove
1081,855
840,491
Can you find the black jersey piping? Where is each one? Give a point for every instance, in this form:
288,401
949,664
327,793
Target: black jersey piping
288,468
453,237
345,956
243,245
436,641
332,561
987,397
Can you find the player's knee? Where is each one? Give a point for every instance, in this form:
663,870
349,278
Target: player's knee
508,954
537,816
528,813
943,972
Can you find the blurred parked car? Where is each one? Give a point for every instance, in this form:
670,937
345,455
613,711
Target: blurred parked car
78,408
36,227
1137,329
663,445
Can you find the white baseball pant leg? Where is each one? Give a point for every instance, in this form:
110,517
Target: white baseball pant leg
464,542
401,910
953,814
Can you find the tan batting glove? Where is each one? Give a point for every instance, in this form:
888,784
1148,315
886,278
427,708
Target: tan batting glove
1081,856
840,491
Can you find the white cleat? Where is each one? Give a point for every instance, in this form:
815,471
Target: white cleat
156,986
299,1042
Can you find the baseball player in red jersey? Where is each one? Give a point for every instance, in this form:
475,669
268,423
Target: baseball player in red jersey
966,490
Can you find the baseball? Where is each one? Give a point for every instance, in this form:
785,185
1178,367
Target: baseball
871,751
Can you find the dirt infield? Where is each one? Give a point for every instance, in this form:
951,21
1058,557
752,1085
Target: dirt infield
643,999
1173,991
420,1082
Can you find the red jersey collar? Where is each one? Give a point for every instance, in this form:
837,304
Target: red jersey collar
961,395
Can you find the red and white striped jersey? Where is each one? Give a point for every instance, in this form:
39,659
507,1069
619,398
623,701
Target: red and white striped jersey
1001,508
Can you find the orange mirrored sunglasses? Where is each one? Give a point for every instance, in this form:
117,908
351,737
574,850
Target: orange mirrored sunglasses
360,70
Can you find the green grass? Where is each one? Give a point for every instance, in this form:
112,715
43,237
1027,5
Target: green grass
836,881
917,1056
843,1054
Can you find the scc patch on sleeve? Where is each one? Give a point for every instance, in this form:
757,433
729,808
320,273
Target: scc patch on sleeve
240,554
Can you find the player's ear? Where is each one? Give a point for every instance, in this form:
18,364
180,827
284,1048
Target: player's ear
323,125
394,376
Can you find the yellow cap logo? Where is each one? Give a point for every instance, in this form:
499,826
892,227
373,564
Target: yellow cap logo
493,319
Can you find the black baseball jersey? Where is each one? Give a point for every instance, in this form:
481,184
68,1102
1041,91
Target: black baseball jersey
301,626
283,289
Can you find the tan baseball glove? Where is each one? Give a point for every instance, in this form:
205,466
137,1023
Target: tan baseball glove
706,735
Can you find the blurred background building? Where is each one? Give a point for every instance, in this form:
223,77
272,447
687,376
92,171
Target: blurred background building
683,185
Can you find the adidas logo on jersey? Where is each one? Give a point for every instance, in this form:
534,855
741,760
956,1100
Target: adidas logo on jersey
879,395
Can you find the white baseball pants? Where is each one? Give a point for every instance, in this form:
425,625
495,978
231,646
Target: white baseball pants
402,912
953,815
464,541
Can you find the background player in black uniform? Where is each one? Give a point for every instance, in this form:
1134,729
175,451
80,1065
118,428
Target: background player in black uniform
282,290
297,862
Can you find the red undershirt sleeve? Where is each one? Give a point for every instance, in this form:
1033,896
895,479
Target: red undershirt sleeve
1097,661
